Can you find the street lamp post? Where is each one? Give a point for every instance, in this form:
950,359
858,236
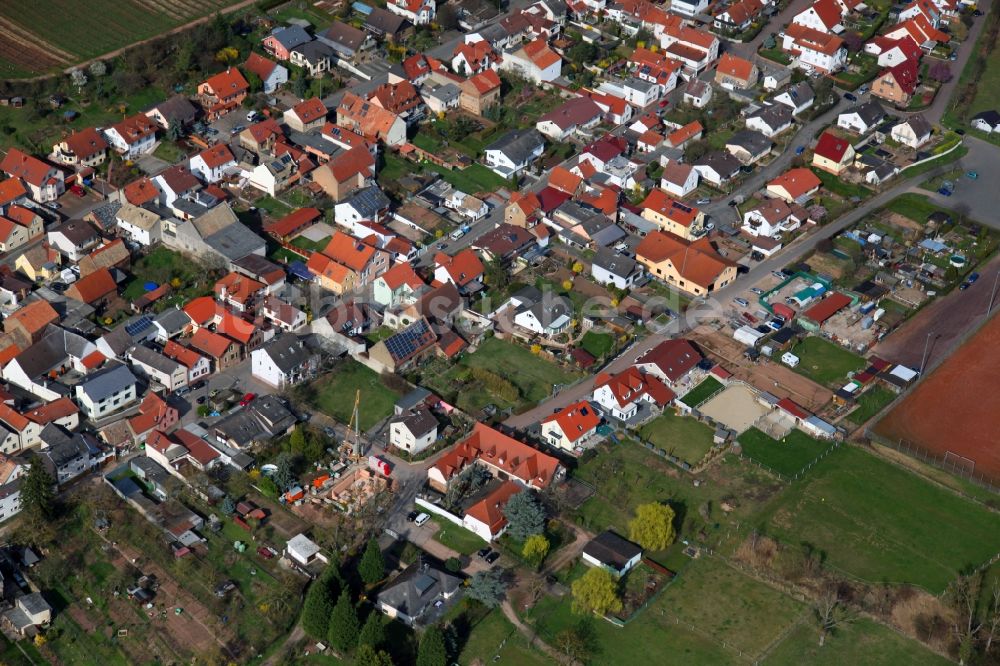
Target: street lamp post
993,294
923,360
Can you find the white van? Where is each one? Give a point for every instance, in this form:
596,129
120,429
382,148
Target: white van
456,234
421,519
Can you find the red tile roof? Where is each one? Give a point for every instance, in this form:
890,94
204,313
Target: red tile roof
464,267
814,40
697,261
736,67
11,189
202,310
94,286
310,110
563,179
141,191
59,408
489,510
227,83
293,222
34,316
135,128
826,308
32,170
349,251
485,81
540,54
86,143
659,201
575,421
259,65
832,147
793,408
350,163
400,274
674,358
93,360
518,460
186,357
207,342
632,384
796,182
217,155
905,75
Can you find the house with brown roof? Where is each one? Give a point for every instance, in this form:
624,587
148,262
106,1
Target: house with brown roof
472,56
504,457
133,136
271,74
671,361
693,266
370,120
39,262
260,137
679,179
223,92
293,224
85,148
347,172
110,255
223,352
309,114
44,181
480,92
773,217
572,116
29,322
177,109
735,73
671,215
240,292
73,238
400,98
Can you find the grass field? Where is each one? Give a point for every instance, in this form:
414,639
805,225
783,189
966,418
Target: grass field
917,207
825,362
870,403
61,32
861,642
597,344
162,266
492,632
334,394
701,392
472,179
787,457
457,538
841,188
881,523
681,436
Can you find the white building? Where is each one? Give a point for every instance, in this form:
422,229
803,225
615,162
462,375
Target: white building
107,391
212,164
414,431
282,362
417,12
514,152
571,427
139,225
611,268
534,61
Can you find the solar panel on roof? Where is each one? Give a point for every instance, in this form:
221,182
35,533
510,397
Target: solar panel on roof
139,325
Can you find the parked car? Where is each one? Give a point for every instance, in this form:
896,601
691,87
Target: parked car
741,302
703,202
421,519
265,552
411,516
800,150
492,557
850,97
201,400
973,278
757,290
944,191
862,90
963,286
54,205
778,274
977,12
484,552
78,190
247,399
972,175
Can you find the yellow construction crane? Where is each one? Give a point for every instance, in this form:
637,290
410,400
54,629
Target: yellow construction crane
354,427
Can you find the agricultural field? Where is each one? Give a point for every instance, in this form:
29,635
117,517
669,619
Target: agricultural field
45,36
681,436
824,362
334,392
881,523
787,457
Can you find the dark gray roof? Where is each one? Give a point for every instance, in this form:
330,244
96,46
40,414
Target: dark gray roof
444,93
291,36
154,359
801,93
343,37
235,241
774,116
109,381
264,418
368,202
722,163
287,352
419,422
614,263
173,320
417,588
412,399
752,141
151,470
602,232
314,51
105,214
177,108
579,213
314,140
611,549
992,117
45,354
918,124
77,232
518,145
130,331
61,447
383,22
870,112
549,309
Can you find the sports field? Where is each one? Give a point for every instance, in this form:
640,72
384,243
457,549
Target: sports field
43,36
881,523
956,408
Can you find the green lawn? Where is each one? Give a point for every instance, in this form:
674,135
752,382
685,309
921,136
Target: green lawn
162,266
76,646
681,436
841,188
457,538
472,179
11,655
626,475
870,403
882,523
494,635
861,642
273,207
722,603
917,207
307,244
787,457
824,362
701,392
597,344
869,69
169,152
333,394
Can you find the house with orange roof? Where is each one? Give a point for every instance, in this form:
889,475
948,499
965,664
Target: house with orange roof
240,292
140,191
503,456
814,49
692,266
85,148
673,216
97,290
12,235
480,92
920,30
523,210
43,180
823,16
212,164
348,172
464,269
534,61
486,518
565,180
736,73
197,365
474,55
309,114
27,218
223,92
571,427
16,431
29,321
154,414
133,136
223,352
260,137
371,121
367,261
397,285
400,98
293,224
271,74
737,16
681,136
617,109
694,48
12,191
61,411
331,275
248,334
622,395
203,311
794,186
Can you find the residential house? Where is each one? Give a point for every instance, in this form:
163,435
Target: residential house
85,148
174,183
281,41
898,83
222,351
814,49
622,394
140,225
480,92
548,316
383,24
283,362
749,146
19,227
44,181
505,243
534,61
275,175
223,92
176,110
314,57
106,391
612,552
440,97
770,120
265,418
680,137
611,268
571,427
913,131
260,138
717,167
692,266
197,366
361,263
794,186
11,473
672,215
413,431
689,7
29,321
921,31
212,164
306,115
348,172
158,367
464,270
241,293
523,210
738,16
39,262
773,217
822,16
370,120
697,93
345,40
679,179
514,152
401,350
30,613
397,285
400,98
695,49
798,97
986,121
113,255
862,118
12,192
574,116
417,12
420,588
271,74
891,52
833,154
97,290
671,361
733,72
133,136
503,456
473,56
368,204
283,315
486,517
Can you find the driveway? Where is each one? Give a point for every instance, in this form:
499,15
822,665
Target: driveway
151,164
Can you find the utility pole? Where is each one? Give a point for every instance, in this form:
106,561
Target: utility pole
993,294
923,359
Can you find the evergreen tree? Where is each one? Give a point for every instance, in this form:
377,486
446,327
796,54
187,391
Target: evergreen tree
37,494
372,565
344,627
319,604
373,632
368,656
432,650
525,514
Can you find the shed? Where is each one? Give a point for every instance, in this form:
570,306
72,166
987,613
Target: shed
612,552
